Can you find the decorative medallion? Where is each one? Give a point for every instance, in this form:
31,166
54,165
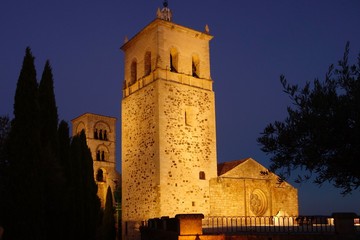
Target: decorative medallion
258,202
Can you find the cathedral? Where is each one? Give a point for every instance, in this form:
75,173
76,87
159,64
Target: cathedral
168,159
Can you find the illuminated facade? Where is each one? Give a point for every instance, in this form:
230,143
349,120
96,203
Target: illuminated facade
168,123
169,162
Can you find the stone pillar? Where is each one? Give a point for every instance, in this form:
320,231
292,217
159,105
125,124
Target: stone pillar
190,224
344,223
164,223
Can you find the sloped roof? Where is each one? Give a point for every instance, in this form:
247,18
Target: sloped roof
224,167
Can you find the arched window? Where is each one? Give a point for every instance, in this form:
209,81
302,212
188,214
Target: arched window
147,63
133,72
202,175
195,66
101,137
102,156
105,135
98,155
100,176
96,134
173,60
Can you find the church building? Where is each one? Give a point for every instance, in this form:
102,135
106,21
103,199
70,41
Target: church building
169,162
168,141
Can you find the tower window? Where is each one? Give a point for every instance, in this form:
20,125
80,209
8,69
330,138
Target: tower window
97,155
195,66
147,63
100,155
101,134
96,134
173,60
133,72
100,176
202,175
105,135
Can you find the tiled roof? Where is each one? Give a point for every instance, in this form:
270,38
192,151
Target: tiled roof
224,167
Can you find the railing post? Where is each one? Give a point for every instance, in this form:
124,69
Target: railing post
344,223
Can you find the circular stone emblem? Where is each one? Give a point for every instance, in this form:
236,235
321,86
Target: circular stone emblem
258,202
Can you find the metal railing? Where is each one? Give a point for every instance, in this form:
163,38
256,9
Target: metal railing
308,224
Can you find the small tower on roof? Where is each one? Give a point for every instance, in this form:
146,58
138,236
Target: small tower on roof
165,13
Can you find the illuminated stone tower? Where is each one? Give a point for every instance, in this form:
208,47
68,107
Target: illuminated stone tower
168,123
101,139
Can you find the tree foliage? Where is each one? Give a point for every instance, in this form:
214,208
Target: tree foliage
321,133
107,229
86,204
49,114
4,132
47,186
24,184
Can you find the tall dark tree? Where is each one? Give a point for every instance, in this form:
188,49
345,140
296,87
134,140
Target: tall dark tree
25,198
68,206
321,133
118,200
48,191
4,133
107,229
86,204
54,183
49,114
64,151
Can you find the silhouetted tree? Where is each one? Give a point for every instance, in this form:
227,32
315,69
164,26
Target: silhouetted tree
4,132
107,229
25,186
67,173
49,114
86,204
47,186
321,133
55,189
117,197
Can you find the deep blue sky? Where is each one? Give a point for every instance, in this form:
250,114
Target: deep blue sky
254,42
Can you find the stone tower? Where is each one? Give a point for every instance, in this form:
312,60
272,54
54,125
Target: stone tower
101,139
168,123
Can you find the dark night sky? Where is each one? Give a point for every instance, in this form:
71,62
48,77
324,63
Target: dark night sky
254,42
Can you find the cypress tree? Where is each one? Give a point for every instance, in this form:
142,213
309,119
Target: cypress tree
25,190
53,179
108,230
86,204
67,215
49,114
4,133
64,151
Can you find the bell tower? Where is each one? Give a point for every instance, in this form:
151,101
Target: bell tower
168,123
101,139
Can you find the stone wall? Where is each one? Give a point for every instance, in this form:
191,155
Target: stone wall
244,191
140,157
187,147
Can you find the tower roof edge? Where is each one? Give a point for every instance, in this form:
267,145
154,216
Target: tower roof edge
160,22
